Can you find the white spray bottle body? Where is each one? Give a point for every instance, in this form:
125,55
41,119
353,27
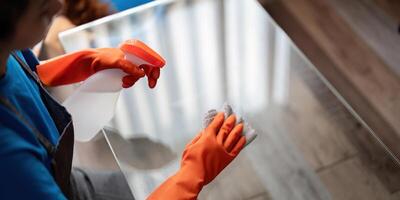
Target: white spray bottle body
93,103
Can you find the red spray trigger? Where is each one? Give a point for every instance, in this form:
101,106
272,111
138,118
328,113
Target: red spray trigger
140,54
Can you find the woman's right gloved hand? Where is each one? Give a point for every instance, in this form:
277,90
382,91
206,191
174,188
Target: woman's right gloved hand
78,66
203,159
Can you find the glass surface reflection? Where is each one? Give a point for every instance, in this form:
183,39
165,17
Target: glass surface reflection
225,51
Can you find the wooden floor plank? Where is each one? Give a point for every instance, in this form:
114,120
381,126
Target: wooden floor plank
396,196
377,29
262,196
391,7
349,180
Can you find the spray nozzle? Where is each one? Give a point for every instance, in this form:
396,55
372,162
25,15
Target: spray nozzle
140,54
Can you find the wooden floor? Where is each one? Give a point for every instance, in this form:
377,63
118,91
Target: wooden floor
332,33
329,139
354,46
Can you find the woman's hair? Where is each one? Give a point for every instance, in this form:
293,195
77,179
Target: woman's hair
78,11
11,12
83,11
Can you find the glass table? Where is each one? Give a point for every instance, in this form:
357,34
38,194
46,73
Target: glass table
308,144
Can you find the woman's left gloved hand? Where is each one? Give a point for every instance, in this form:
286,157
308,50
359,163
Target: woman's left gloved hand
78,66
203,159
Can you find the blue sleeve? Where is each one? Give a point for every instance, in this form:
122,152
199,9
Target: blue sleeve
22,170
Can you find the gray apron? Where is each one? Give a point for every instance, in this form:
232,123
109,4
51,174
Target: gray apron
62,153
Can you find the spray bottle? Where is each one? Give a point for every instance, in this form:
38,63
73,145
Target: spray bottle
93,103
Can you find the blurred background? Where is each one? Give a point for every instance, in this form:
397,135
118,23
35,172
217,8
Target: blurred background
318,80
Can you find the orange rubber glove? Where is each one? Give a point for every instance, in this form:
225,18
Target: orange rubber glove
203,159
78,66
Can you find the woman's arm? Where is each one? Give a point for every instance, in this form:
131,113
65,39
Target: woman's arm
22,170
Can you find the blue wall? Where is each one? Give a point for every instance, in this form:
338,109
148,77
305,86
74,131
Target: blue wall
121,5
